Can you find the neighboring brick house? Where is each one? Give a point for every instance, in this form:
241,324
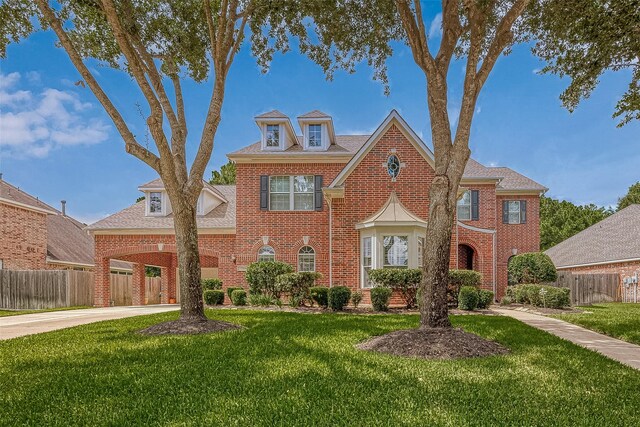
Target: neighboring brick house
609,246
337,204
35,236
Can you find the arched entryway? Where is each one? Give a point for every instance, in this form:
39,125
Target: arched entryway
467,257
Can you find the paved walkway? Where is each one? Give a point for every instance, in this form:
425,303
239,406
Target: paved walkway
613,348
27,324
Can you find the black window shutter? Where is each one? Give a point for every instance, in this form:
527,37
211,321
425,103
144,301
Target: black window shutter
475,205
523,212
505,212
318,192
264,192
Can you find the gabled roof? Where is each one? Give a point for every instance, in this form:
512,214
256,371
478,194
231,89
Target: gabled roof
393,212
273,114
315,114
133,218
157,184
393,118
16,197
345,145
614,239
512,181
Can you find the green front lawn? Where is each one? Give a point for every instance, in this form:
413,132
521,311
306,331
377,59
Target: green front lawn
4,313
303,369
615,319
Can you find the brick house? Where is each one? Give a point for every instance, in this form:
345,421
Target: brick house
337,204
609,246
36,236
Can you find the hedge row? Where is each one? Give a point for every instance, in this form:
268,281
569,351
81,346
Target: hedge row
540,295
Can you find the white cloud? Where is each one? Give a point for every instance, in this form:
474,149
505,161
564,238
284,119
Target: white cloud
31,125
435,30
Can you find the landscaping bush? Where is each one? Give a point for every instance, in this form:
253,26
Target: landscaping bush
468,298
211,284
403,280
380,298
356,298
261,300
485,298
339,296
458,279
262,276
320,295
534,267
506,300
239,297
213,296
230,291
540,295
297,285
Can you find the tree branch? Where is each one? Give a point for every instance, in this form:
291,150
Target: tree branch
131,145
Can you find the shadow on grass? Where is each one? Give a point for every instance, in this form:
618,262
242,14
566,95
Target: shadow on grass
299,369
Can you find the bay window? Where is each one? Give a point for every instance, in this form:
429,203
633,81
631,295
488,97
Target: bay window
392,247
395,251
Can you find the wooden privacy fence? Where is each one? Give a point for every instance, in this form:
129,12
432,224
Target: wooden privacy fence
39,289
122,289
589,289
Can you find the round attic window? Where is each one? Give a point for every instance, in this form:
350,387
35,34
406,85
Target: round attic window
393,166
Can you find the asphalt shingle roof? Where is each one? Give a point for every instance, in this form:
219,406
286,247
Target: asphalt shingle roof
615,238
315,114
273,114
344,144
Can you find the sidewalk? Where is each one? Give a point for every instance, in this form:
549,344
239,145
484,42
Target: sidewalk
27,324
613,348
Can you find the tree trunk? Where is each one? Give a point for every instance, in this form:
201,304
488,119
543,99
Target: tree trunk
186,229
437,251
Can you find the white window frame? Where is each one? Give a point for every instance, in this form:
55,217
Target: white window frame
321,140
408,256
268,252
420,241
162,203
309,255
365,268
266,145
459,205
292,193
518,211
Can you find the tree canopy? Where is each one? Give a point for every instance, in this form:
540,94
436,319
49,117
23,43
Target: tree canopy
225,176
632,196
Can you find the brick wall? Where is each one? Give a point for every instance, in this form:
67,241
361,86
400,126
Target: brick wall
23,245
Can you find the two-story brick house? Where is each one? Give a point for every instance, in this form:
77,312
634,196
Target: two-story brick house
337,204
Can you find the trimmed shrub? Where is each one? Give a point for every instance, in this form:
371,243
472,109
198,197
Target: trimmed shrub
506,300
356,298
239,297
485,298
458,279
403,280
213,296
262,276
320,295
297,285
211,284
468,298
339,296
534,267
380,298
230,291
261,300
540,295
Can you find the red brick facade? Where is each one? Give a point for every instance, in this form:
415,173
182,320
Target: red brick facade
24,238
332,231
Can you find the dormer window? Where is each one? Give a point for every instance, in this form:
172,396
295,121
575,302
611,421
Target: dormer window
272,136
155,203
315,135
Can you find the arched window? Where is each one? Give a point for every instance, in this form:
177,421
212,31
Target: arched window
306,259
266,253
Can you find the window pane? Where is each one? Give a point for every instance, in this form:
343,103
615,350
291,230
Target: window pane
514,217
303,202
465,200
315,135
303,184
514,206
279,184
306,259
279,202
266,253
396,251
366,251
155,202
464,212
273,135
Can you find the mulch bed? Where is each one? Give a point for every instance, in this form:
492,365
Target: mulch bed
435,343
189,327
347,310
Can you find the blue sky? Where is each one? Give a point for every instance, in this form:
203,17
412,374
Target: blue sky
57,143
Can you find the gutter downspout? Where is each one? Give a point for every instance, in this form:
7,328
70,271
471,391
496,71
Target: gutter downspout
328,199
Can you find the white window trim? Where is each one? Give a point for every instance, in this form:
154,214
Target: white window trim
292,194
280,146
458,205
163,203
307,254
377,250
260,249
509,212
324,137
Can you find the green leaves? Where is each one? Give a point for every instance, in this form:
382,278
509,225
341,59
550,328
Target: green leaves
632,197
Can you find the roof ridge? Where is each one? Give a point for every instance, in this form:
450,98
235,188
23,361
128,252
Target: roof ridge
29,196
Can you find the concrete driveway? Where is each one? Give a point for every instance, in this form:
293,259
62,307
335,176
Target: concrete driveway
27,324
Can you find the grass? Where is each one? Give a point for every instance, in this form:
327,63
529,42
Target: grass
5,313
615,319
303,369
